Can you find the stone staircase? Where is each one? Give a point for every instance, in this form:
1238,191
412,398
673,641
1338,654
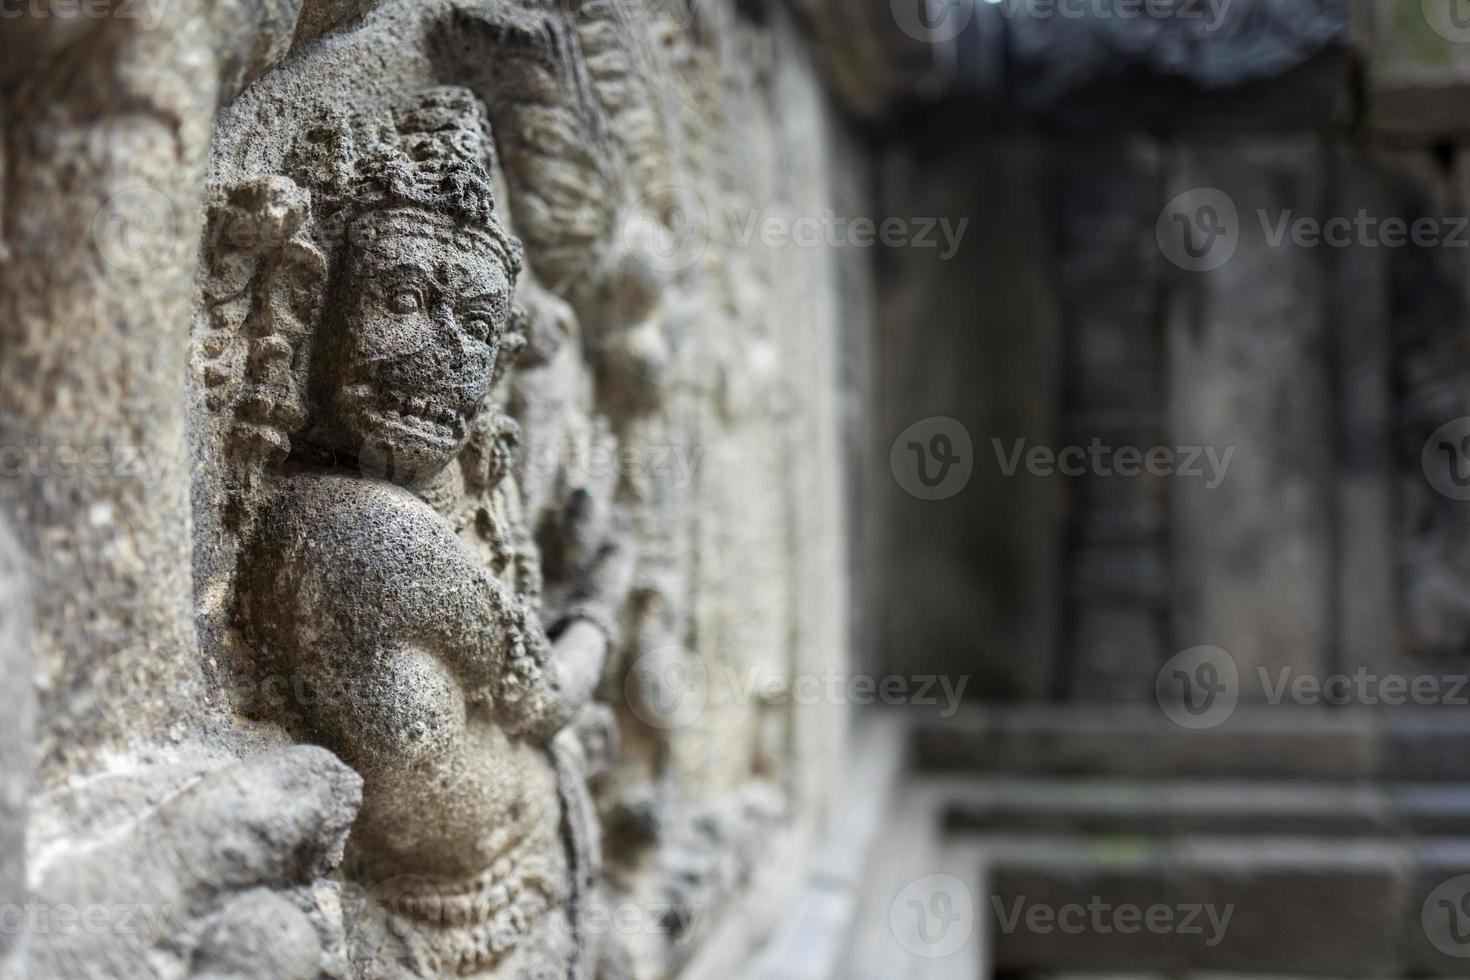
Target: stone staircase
1106,843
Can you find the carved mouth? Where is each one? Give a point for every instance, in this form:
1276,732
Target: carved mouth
425,413
423,417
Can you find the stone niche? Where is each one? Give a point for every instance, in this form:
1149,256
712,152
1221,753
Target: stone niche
424,491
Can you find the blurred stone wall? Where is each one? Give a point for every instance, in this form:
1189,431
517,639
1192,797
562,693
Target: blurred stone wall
1324,534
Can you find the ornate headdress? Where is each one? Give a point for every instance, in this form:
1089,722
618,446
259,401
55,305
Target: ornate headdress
434,153
274,238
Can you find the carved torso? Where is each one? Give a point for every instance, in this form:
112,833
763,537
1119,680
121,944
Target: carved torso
387,575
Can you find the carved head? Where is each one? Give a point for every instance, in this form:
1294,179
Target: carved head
422,291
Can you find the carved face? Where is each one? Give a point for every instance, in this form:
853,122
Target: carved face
423,308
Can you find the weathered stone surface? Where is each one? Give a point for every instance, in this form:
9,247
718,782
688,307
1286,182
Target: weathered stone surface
464,424
200,876
16,737
1246,345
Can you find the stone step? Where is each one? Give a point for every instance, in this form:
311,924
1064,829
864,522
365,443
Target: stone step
1255,905
853,857
1258,741
1328,871
1087,805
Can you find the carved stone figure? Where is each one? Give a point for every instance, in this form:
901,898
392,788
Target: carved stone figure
332,645
389,572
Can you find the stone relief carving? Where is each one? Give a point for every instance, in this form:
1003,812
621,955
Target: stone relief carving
589,150
388,568
385,712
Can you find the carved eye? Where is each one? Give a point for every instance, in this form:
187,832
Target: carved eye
404,299
480,326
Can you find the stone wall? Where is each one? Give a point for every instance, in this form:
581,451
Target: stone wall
1071,316
427,486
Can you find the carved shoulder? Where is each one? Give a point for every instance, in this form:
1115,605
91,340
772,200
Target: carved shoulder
344,572
360,564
